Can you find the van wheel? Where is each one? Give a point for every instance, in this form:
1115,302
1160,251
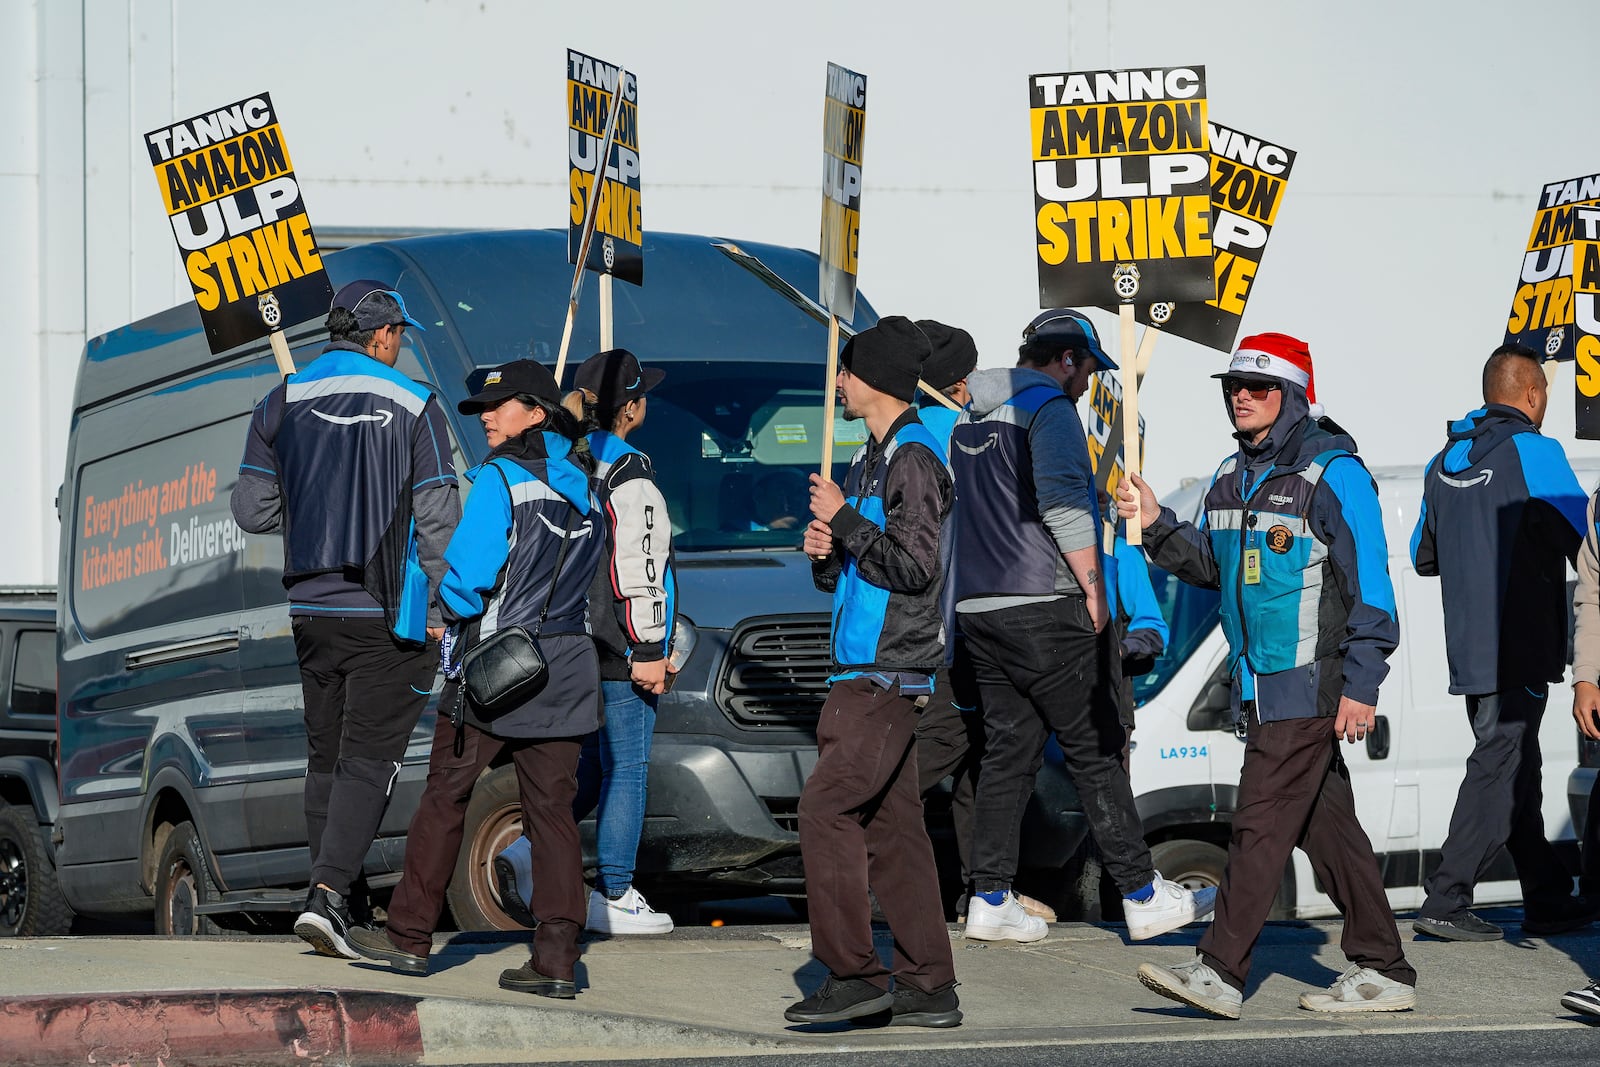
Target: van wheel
1192,864
494,820
31,904
183,882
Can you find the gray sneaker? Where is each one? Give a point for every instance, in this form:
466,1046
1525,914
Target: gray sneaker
1362,989
1195,984
1463,927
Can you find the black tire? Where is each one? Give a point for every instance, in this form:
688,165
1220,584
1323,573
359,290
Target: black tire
1196,864
31,904
184,881
494,820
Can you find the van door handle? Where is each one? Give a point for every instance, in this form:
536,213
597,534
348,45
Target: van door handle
1378,738
211,645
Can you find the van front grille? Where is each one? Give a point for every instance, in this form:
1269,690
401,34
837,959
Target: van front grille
776,671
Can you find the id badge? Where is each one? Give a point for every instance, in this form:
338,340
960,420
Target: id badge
1252,566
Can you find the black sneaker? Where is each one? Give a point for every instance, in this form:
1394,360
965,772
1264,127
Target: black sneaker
525,979
1463,927
375,945
1572,913
913,1007
1585,1001
839,999
325,924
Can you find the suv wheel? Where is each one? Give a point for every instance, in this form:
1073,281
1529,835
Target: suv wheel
183,882
31,904
494,820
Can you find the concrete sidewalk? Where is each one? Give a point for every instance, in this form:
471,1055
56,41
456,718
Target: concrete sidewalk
698,992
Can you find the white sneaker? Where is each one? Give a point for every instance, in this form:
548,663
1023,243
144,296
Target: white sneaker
628,914
1195,984
513,877
1362,989
1172,906
1005,921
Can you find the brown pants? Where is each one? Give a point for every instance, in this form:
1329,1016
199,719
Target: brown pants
547,779
1295,790
861,827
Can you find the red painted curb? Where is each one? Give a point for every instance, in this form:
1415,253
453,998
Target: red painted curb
210,1029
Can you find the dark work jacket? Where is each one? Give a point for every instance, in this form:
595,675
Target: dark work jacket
890,556
1501,516
1321,623
502,559
350,440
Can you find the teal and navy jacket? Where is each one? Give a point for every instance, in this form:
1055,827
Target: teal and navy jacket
1502,514
891,554
525,499
1321,622
348,457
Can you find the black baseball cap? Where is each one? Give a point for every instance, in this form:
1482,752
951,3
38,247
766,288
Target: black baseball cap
523,377
615,377
1060,328
374,304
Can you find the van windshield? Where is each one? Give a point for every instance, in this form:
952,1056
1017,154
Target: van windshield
732,449
1191,612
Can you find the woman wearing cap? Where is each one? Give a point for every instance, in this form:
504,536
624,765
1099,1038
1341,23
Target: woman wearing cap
528,543
637,581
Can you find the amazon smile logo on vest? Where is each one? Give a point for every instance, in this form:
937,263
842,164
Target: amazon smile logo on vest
382,415
581,531
992,440
1467,483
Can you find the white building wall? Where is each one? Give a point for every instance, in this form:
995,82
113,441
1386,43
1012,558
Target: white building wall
1424,137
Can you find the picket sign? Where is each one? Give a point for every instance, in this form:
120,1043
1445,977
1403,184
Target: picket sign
589,217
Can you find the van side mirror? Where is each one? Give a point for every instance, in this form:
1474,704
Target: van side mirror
1213,708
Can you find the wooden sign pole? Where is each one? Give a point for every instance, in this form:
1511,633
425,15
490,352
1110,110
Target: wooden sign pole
606,340
1131,460
829,390
280,352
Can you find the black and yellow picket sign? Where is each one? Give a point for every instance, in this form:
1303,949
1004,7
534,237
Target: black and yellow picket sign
1121,186
1248,176
617,246
1541,315
1586,318
1102,431
236,211
844,125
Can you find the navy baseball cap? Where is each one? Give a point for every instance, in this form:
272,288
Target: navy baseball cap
522,377
374,305
615,377
1060,328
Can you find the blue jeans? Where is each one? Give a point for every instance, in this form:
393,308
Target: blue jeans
614,770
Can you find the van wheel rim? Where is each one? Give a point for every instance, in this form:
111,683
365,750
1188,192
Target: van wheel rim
494,834
182,896
13,885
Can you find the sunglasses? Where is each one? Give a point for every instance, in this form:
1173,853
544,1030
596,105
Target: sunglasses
1257,390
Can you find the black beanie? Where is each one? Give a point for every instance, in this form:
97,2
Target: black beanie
888,356
954,355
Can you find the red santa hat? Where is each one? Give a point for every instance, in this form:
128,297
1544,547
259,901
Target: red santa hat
1276,355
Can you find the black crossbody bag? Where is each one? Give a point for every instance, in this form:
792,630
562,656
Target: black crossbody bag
507,669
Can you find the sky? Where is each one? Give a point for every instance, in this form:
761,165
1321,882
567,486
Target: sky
1424,131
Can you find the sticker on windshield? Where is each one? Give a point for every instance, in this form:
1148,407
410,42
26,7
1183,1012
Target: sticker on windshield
790,434
853,432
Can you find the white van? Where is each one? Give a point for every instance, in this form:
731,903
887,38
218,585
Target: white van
1186,756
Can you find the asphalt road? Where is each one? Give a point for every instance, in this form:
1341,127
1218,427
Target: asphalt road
1499,1048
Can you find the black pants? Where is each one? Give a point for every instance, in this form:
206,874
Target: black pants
547,780
1500,803
364,692
950,745
1294,790
1040,668
861,828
